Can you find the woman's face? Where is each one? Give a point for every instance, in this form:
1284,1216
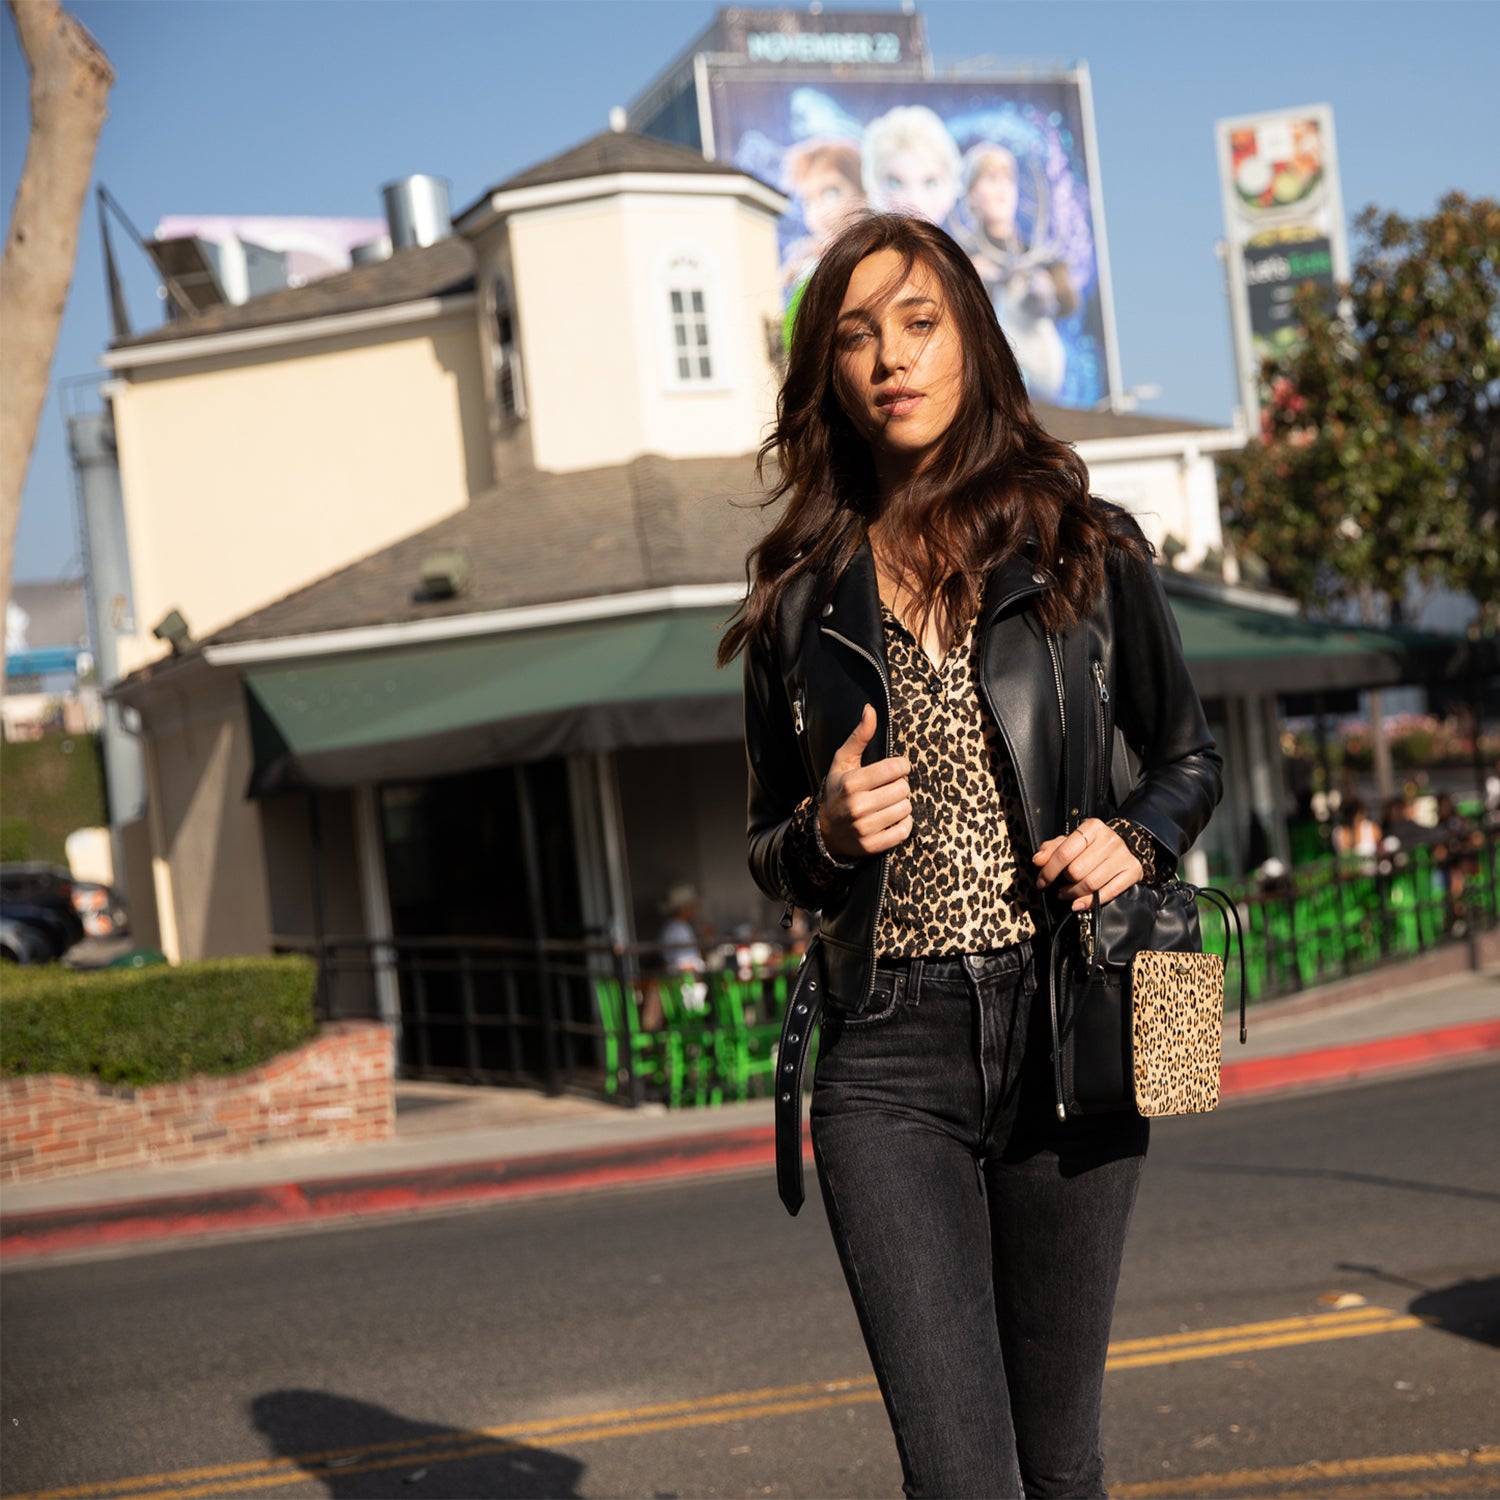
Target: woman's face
916,180
828,199
898,361
993,198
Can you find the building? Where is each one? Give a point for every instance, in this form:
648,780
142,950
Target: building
49,669
449,537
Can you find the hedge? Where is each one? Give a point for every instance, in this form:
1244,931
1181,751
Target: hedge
158,1024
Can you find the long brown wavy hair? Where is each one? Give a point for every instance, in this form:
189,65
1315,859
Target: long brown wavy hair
996,479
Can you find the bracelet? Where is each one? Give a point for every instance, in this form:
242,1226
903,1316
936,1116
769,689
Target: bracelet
833,859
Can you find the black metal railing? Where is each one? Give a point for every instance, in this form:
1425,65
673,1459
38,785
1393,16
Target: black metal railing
589,1017
562,1016
1343,916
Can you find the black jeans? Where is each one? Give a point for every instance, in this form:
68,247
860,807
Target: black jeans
981,1237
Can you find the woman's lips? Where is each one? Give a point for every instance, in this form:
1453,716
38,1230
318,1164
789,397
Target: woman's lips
897,403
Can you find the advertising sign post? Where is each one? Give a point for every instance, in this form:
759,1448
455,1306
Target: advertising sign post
1284,223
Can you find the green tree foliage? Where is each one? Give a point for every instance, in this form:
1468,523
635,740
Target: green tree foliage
1379,450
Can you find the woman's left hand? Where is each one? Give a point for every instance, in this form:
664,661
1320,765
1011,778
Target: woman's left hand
1091,858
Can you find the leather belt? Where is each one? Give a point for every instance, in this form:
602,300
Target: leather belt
893,980
803,1011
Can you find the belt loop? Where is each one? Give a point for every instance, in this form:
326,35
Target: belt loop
914,983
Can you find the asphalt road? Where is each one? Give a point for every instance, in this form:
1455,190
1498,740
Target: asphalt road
1311,1280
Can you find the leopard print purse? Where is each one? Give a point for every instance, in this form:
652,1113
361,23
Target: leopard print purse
1137,1006
1176,1031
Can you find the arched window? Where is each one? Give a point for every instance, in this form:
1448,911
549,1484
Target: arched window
692,349
694,357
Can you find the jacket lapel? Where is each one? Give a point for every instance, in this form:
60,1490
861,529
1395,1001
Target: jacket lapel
853,609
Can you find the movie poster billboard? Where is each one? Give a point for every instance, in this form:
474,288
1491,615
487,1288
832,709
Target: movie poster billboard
1284,220
1004,165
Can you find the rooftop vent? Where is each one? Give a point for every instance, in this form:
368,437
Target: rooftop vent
416,208
368,253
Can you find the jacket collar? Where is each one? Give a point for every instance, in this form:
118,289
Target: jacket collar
852,610
1017,577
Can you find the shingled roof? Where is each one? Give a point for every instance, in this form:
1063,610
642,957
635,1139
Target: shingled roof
542,538
445,269
604,155
1073,425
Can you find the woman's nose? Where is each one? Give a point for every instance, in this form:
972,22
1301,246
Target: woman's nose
889,358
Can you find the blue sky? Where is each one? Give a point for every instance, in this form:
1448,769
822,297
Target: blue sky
308,106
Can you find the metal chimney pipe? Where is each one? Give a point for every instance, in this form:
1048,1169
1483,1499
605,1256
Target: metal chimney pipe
416,208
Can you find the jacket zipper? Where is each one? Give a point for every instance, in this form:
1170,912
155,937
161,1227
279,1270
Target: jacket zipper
1084,918
1062,712
885,859
1103,688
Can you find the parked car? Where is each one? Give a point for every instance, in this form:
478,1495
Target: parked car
102,909
41,897
21,944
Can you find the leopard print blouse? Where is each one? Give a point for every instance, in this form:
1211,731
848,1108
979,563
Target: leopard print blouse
957,885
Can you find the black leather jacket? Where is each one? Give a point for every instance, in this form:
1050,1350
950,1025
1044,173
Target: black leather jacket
806,689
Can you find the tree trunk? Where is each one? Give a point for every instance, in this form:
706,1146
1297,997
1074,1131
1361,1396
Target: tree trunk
1380,746
70,82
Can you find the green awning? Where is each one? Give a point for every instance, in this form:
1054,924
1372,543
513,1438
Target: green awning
1234,651
649,679
432,710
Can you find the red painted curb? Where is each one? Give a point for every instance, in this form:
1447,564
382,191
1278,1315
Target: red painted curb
1333,1064
385,1195
54,1231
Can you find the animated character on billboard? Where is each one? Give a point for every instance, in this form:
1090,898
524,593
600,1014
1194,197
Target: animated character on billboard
823,176
1030,288
912,164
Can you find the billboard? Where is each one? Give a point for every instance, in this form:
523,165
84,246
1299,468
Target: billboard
1284,222
1006,166
819,38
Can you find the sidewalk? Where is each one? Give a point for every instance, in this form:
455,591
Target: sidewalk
459,1146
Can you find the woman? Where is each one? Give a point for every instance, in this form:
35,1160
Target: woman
937,558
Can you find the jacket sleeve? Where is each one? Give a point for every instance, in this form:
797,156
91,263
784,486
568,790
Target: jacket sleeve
1159,713
785,860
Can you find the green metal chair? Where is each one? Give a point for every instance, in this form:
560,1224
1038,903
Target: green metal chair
652,1055
695,1039
745,1047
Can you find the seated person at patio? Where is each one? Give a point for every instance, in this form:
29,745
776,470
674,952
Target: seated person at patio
681,942
1401,829
1359,833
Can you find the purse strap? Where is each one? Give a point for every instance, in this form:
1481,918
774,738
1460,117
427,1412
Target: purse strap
1229,909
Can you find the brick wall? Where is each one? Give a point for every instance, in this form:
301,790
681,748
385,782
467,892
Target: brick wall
336,1090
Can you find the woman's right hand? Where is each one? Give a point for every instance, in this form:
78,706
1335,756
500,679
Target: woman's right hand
865,809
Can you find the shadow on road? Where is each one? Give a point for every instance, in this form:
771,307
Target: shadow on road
358,1451
1468,1308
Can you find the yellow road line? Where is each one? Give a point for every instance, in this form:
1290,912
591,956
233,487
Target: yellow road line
584,1427
1247,1330
1395,1323
416,1448
1338,1470
565,1439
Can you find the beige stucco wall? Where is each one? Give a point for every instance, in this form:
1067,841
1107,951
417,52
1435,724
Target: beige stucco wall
208,867
1169,494
591,284
249,474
